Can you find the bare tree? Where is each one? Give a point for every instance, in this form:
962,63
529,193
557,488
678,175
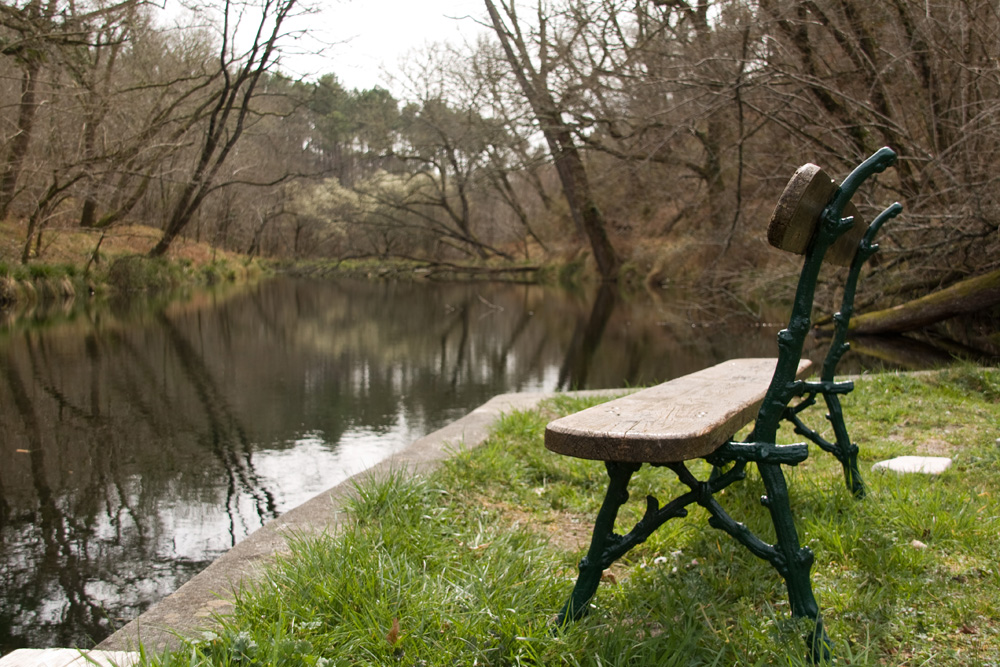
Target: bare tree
33,34
847,77
230,108
534,72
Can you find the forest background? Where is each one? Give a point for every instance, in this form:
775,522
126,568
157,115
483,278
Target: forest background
640,141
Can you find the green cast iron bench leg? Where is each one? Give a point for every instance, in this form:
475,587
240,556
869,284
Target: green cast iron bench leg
792,561
597,559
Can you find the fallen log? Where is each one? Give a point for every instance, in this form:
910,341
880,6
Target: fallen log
962,298
915,355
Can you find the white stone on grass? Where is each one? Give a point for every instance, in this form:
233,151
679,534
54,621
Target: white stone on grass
929,465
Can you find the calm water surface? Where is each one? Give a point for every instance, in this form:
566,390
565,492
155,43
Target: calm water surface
139,445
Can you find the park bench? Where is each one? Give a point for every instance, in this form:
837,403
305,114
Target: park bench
696,416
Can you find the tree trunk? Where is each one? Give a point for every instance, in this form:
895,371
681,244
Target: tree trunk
22,138
568,161
576,187
963,298
88,213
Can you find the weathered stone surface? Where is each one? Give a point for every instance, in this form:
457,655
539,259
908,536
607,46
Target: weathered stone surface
68,657
929,465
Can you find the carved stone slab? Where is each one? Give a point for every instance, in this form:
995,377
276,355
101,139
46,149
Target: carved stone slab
796,216
679,420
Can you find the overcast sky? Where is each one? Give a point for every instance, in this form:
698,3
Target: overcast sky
367,36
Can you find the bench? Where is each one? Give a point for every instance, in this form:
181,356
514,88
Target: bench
696,416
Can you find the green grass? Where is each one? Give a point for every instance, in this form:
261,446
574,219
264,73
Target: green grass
470,564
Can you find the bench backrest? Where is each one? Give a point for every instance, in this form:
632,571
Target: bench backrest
795,220
815,217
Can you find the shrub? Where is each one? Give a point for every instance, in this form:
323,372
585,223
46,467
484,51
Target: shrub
42,271
218,271
135,272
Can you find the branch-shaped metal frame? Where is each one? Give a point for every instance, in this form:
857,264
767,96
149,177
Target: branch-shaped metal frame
842,448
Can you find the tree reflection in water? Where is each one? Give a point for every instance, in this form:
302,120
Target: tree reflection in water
137,448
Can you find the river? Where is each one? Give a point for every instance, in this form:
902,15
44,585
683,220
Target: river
141,441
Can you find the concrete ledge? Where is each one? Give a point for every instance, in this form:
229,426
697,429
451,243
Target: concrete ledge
208,594
67,657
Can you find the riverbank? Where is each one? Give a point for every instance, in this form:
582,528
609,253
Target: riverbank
468,562
71,263
81,263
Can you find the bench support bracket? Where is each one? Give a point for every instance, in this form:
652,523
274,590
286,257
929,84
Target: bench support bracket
842,448
792,561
